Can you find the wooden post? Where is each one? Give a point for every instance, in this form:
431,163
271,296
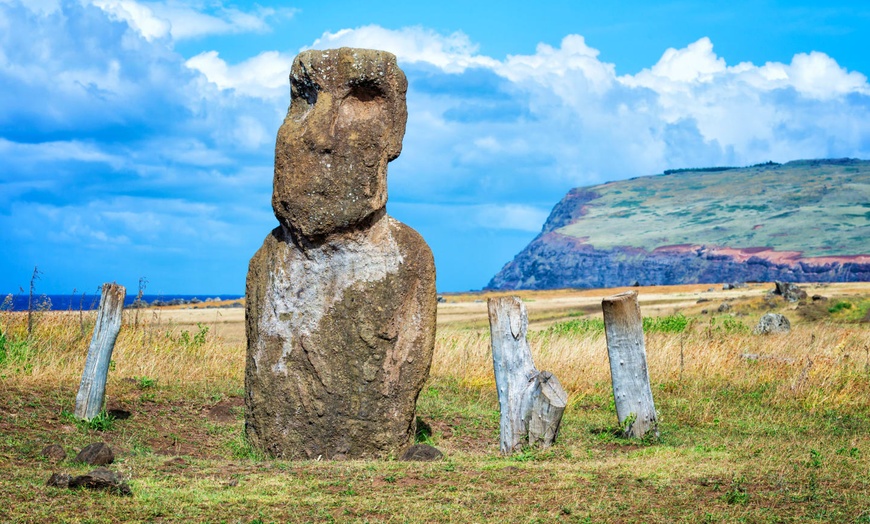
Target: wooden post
92,389
623,327
548,404
531,403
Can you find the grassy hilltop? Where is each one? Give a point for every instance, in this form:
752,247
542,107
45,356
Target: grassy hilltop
804,221
817,207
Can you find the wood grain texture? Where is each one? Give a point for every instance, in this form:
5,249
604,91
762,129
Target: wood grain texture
92,390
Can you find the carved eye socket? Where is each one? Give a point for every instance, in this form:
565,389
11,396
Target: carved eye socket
365,91
364,102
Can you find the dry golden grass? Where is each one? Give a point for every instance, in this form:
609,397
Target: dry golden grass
189,356
206,346
826,365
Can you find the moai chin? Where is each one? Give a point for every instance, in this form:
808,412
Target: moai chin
341,297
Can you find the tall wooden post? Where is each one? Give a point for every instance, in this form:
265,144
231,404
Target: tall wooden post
92,389
531,403
623,327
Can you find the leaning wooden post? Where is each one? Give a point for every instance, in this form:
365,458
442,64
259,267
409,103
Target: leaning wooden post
531,403
623,327
92,390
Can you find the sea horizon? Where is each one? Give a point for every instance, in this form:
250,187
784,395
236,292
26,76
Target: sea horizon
90,301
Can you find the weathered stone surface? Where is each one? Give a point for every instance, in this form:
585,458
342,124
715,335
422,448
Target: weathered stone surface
341,297
421,453
54,453
789,291
59,480
96,454
772,323
346,121
101,479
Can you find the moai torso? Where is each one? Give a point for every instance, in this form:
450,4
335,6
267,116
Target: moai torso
340,297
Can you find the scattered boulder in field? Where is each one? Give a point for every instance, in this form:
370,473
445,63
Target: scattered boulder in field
421,453
819,298
724,307
772,323
96,454
789,291
101,479
341,297
59,480
54,453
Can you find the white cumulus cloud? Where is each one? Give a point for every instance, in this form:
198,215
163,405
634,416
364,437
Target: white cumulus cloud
185,20
263,76
453,53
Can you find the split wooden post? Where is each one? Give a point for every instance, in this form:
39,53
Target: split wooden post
531,403
92,390
632,394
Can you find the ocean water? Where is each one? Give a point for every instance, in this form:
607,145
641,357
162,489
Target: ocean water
88,301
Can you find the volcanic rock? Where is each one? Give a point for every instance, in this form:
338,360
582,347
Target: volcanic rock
421,453
101,479
96,454
789,291
54,453
772,323
59,480
341,297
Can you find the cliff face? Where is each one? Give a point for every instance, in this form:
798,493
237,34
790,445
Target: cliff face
705,227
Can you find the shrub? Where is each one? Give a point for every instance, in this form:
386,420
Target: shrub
840,306
668,324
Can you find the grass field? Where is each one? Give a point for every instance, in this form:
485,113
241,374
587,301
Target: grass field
817,208
753,428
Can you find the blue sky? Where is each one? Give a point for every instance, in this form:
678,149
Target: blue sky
137,137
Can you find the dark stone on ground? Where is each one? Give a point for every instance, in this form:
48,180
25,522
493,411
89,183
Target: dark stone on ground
54,453
96,454
772,323
58,480
789,291
421,453
101,479
817,298
724,307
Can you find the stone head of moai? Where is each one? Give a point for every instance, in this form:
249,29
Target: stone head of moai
346,122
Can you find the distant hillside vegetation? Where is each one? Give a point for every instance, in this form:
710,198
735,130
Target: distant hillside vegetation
806,220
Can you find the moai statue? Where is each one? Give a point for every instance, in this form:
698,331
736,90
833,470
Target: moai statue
341,297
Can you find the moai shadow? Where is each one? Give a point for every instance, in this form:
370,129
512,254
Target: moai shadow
341,297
